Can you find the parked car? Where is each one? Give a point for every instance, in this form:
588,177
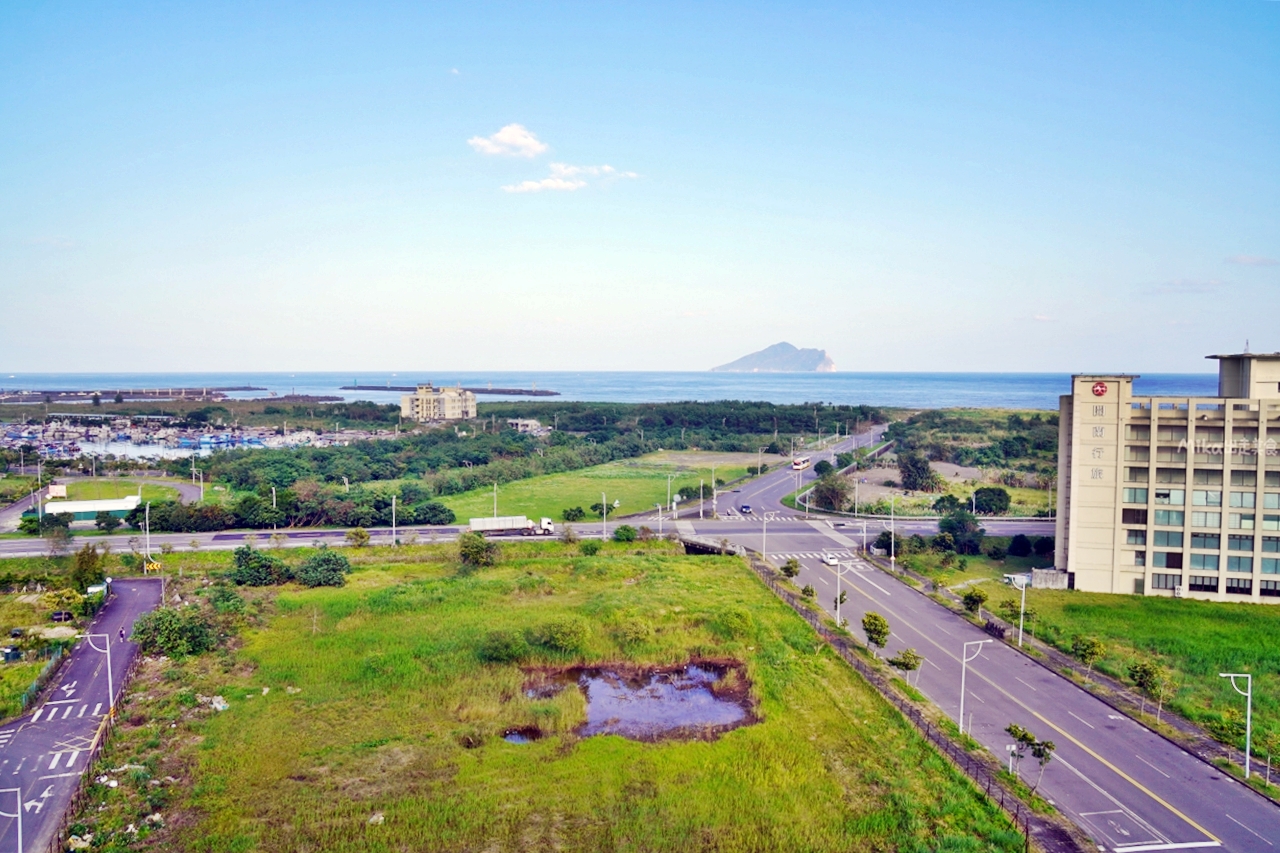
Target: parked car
62,616
831,559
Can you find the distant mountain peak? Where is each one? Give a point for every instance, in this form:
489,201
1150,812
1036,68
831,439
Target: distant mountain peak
781,358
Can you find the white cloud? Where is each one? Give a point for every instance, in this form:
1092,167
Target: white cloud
514,140
566,178
454,71
1253,261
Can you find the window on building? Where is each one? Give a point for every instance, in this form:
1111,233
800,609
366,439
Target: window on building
1205,497
1208,478
1204,562
1271,500
1270,543
1239,543
1240,586
1136,475
1168,432
1139,558
1269,588
1206,519
1133,516
1239,520
1168,539
1271,522
1272,480
1170,517
1244,478
1240,564
1135,496
1138,433
1163,581
1270,566
1203,583
1171,475
1171,454
1136,453
1243,499
1175,497
1167,559
1208,541
1135,537
1209,435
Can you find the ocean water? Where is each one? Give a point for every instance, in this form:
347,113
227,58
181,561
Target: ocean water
932,390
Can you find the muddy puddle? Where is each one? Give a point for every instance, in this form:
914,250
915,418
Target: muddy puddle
695,701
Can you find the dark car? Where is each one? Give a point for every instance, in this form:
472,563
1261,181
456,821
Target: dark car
746,509
62,616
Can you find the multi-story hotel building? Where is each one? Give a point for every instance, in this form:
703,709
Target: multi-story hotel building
1173,496
438,404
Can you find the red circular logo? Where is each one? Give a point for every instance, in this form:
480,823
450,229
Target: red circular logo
1099,389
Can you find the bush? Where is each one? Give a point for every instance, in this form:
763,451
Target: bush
502,647
633,632
357,537
973,599
87,570
573,513
173,632
566,634
624,533
733,623
106,522
254,568
590,547
475,551
790,568
997,552
1020,546
1044,546
324,568
822,468
991,500
224,599
433,512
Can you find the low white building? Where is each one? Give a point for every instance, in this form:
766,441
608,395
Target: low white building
438,404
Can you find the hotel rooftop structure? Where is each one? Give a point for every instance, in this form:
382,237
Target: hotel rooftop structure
1173,496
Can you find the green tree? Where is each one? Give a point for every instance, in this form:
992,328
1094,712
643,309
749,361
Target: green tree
947,504
791,567
1044,546
58,540
1089,650
1042,752
175,632
475,551
250,567
357,537
106,522
87,569
991,500
624,533
573,513
808,591
943,542
964,530
916,473
973,599
907,661
831,492
1022,740
326,567
876,627
1143,673
822,468
96,399
1020,546
29,525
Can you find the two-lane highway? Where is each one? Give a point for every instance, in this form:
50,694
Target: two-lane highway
45,752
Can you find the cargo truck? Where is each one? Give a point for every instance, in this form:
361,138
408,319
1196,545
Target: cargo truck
513,524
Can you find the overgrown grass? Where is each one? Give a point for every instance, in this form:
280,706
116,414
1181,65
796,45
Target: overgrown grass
1195,639
111,488
395,715
637,484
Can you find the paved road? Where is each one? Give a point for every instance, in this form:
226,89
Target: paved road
1130,789
44,753
11,515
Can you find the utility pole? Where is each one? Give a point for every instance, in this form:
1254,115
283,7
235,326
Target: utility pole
1247,693
1022,610
393,521
701,497
964,669
604,518
495,498
893,535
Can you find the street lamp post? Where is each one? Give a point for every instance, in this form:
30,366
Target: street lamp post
393,521
659,506
1022,610
111,690
893,534
1247,693
964,670
604,518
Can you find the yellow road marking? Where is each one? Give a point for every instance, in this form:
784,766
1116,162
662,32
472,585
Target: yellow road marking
1125,776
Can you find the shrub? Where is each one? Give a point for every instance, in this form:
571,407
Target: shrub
808,591
973,599
173,632
1044,546
87,570
225,599
633,632
997,552
474,550
254,568
565,634
106,522
568,535
590,547
733,623
502,647
991,500
791,567
324,568
943,542
573,513
357,537
823,468
624,533
646,534
433,512
1020,546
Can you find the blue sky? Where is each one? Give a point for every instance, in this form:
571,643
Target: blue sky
924,186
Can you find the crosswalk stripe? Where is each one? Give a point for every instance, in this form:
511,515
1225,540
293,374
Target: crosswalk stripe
36,716
57,756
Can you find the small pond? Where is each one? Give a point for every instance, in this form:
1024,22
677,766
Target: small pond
694,701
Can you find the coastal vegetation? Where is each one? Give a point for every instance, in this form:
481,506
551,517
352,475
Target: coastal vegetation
1022,442
418,707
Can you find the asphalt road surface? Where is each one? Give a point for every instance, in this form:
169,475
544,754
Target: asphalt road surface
44,753
1129,788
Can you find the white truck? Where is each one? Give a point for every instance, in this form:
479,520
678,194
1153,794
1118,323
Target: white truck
513,524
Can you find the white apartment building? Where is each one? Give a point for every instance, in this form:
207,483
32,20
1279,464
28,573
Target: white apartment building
438,404
1173,496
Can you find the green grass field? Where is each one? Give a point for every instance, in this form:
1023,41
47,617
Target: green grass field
110,488
379,705
638,484
1195,639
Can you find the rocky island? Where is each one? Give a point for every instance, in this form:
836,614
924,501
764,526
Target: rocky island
781,358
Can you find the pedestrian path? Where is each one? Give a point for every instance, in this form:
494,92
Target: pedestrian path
811,555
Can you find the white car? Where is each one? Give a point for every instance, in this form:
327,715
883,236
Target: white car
831,559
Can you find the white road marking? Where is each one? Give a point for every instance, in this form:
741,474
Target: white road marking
1238,823
1019,679
36,716
75,753
70,708
1187,845
83,708
53,765
932,664
97,708
1082,719
1153,767
824,580
60,701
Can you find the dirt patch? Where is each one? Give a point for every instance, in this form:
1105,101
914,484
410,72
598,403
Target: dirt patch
699,700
